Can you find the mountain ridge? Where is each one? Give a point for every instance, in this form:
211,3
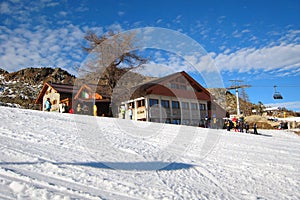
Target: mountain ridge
20,88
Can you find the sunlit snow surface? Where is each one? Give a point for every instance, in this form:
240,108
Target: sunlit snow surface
63,156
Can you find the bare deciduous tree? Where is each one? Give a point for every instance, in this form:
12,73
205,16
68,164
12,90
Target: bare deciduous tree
245,103
113,55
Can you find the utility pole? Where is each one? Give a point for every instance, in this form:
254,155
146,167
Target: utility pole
236,85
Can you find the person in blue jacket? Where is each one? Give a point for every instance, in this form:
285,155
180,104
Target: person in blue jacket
48,105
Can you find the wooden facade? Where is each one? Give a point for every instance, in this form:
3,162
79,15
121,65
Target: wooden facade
87,97
82,100
57,93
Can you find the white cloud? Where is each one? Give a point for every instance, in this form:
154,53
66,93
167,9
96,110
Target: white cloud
284,57
41,46
121,13
4,8
115,27
221,19
295,105
63,13
177,20
159,21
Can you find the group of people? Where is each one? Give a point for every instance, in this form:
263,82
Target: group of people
65,109
123,112
238,125
85,109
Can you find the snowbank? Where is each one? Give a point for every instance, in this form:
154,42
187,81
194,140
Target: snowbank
290,119
62,156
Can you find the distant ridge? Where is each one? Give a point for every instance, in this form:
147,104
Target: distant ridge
3,72
21,88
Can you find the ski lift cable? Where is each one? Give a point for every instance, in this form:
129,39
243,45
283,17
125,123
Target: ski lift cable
281,86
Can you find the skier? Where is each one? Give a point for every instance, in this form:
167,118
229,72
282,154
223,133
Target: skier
48,105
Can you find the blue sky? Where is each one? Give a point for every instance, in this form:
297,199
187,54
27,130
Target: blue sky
254,41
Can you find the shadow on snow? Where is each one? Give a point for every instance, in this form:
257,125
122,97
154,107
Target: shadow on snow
129,166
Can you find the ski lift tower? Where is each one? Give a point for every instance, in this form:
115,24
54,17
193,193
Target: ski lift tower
236,84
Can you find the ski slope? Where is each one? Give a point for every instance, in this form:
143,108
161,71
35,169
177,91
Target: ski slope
63,156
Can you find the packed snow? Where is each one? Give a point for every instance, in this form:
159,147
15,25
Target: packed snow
63,156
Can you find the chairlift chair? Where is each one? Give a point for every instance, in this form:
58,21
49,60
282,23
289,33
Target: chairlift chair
277,95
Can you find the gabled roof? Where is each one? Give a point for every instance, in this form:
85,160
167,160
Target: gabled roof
61,88
70,89
147,88
89,89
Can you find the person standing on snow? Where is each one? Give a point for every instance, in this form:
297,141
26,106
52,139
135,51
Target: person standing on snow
48,105
247,127
130,112
255,128
95,110
228,125
123,111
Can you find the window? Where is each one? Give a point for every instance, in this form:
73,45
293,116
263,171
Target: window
202,106
174,86
165,103
185,105
194,106
183,87
140,103
131,104
175,104
153,102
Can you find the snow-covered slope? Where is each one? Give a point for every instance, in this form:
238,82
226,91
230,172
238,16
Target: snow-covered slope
63,156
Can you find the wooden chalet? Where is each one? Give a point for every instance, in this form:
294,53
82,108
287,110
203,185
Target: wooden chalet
176,99
88,96
81,100
58,94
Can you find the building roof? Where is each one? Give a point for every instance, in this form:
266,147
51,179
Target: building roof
149,87
63,88
91,90
70,89
60,88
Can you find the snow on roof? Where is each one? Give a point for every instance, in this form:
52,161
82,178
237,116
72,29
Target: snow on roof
271,109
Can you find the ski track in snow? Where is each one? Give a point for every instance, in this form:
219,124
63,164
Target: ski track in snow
62,156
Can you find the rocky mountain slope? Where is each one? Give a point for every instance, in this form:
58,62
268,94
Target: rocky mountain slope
20,89
227,101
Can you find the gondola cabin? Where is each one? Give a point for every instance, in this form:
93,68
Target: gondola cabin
277,95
